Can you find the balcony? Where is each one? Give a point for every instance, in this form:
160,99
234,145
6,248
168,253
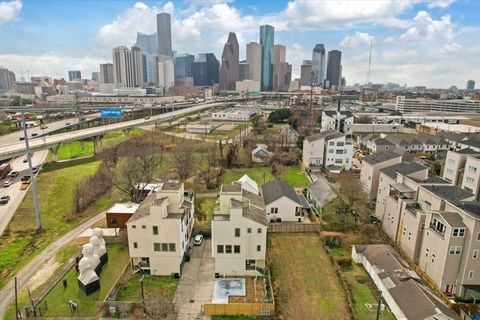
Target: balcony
413,208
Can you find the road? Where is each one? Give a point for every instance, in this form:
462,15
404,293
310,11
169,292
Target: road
14,137
53,140
7,294
16,195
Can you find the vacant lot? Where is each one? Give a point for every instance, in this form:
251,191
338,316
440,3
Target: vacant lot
305,283
132,291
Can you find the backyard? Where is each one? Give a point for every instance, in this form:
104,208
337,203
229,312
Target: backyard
204,212
292,176
131,290
305,283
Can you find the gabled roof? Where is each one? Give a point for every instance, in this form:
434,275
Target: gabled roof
332,113
327,135
383,142
276,189
471,143
381,157
248,184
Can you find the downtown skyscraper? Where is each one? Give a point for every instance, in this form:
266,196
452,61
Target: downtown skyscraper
164,34
266,41
128,67
229,71
149,45
280,67
106,73
318,64
254,61
334,68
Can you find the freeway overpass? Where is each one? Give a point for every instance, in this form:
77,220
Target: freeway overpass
18,149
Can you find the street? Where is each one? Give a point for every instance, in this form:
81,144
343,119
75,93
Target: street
16,195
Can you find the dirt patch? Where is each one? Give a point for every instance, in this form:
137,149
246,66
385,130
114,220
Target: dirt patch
226,127
45,272
254,292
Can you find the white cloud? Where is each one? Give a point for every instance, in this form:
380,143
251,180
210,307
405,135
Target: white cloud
356,40
392,22
439,3
9,11
451,47
400,56
425,28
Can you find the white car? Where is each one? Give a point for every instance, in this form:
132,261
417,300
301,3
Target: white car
198,240
7,183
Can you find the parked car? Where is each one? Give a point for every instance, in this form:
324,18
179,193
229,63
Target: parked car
4,199
7,183
13,174
198,240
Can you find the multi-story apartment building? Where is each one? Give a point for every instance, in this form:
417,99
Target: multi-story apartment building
327,149
462,167
159,231
406,105
239,232
412,143
370,173
337,120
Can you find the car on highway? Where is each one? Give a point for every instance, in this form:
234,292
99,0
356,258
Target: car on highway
7,183
147,117
35,169
43,127
67,123
25,159
21,138
198,240
34,134
13,174
4,199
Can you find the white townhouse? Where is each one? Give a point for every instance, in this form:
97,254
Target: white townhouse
239,232
282,203
159,231
337,120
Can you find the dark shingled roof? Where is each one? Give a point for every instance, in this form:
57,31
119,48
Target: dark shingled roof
436,180
332,113
381,157
169,186
403,168
471,207
470,143
467,151
256,215
450,193
383,142
276,189
329,134
452,218
231,188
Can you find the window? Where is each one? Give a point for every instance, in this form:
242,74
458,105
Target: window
155,230
259,230
144,227
134,226
236,249
135,245
330,150
259,248
156,246
472,169
219,249
338,160
455,250
437,225
458,232
470,274
273,210
164,247
475,254
237,232
339,151
340,144
228,249
478,236
249,230
171,247
470,180
298,210
331,143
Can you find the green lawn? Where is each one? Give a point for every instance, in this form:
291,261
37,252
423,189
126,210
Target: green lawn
132,291
204,209
295,177
304,278
55,185
257,174
57,299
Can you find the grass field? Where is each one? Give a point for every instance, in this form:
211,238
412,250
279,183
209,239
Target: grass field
55,189
131,291
257,174
304,278
295,177
57,299
204,208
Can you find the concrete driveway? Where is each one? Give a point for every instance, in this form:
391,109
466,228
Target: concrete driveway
195,287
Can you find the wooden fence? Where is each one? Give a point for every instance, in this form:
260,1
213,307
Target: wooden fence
293,227
233,309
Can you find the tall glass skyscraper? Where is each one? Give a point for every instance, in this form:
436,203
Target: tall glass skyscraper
205,69
334,68
266,41
184,65
149,45
318,64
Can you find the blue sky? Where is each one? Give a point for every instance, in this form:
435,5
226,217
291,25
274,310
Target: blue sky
434,43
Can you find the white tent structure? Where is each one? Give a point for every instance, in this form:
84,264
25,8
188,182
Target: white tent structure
248,184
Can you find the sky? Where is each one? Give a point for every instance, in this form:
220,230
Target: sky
434,43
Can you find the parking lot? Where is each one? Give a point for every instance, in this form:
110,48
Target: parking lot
196,283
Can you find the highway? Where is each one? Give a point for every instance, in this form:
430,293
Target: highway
45,142
16,195
14,137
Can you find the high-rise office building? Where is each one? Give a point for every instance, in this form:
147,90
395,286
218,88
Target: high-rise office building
7,79
205,69
306,73
229,68
266,41
243,70
334,68
106,73
471,85
149,45
184,65
254,60
164,71
95,76
279,68
164,33
318,64
74,75
137,66
288,75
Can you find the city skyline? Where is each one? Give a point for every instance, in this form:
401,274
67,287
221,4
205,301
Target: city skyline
416,43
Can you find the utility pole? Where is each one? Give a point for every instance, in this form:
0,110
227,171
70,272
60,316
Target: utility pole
369,64
379,306
16,300
30,170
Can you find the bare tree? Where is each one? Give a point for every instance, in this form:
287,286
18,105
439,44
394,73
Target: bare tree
248,145
271,142
184,159
158,305
232,152
353,192
207,167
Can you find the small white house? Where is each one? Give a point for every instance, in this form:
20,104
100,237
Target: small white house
260,154
282,203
